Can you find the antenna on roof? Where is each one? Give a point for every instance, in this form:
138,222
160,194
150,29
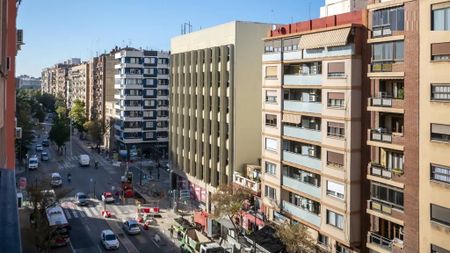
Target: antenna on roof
309,9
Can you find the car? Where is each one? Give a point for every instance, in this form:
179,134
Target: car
39,147
33,163
44,156
81,199
131,227
84,160
107,197
56,179
45,143
109,239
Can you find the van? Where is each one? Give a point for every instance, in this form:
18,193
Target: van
84,160
33,163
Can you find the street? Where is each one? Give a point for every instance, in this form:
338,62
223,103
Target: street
87,222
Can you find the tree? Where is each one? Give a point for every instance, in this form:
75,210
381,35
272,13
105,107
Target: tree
228,202
60,132
24,120
297,239
39,201
47,100
95,131
78,114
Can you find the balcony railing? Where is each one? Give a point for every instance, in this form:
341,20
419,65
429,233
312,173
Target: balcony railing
380,135
381,67
380,171
246,183
379,240
379,206
381,31
378,101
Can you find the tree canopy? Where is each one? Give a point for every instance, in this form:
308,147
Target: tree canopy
297,239
60,131
95,131
78,114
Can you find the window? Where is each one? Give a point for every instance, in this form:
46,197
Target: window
437,249
335,190
335,219
271,120
440,92
440,51
387,20
271,96
270,168
386,194
271,144
389,51
335,159
342,249
272,46
291,44
440,173
271,72
270,192
440,132
302,175
440,214
304,203
440,17
335,129
307,68
322,240
336,69
336,99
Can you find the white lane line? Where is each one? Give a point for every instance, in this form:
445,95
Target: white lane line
86,212
71,247
67,213
94,211
74,213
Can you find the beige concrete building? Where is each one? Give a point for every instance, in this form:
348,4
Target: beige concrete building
78,85
434,143
109,118
215,90
311,130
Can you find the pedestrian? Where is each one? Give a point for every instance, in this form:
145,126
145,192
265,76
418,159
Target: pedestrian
171,231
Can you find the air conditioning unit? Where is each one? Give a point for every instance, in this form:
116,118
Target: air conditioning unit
18,133
312,151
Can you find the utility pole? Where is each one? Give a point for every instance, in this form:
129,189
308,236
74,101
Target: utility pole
70,138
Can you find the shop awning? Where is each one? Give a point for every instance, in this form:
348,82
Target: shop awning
201,218
332,38
226,222
251,218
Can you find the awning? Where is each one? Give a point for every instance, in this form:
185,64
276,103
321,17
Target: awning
251,218
332,38
201,218
225,222
292,118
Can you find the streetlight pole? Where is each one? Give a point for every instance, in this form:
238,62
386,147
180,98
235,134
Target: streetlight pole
70,138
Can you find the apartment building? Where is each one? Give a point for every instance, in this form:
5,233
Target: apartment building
48,81
142,99
28,82
101,88
335,7
434,142
55,79
9,220
393,169
312,81
78,85
214,105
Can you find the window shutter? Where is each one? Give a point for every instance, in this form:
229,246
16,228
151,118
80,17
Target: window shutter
440,6
271,71
271,93
335,124
440,129
333,157
336,67
336,95
440,49
292,118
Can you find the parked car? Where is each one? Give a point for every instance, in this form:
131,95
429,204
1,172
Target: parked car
33,163
45,143
81,199
84,160
44,156
56,179
131,227
107,197
39,147
109,239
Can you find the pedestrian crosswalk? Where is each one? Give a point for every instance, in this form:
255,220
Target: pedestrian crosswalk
71,162
73,211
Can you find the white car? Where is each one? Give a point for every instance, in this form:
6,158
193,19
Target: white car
131,227
84,160
109,239
56,179
33,163
39,147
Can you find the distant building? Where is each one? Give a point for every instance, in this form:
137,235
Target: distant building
55,79
78,85
142,100
28,82
334,7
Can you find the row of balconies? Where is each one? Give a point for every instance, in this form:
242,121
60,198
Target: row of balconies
309,54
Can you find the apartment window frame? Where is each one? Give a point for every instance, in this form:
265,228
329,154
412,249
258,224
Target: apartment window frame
342,249
386,194
440,173
269,72
388,20
304,203
333,191
303,176
270,97
270,192
440,92
445,9
322,240
335,101
388,51
445,219
441,132
270,168
271,120
437,249
337,70
335,129
268,144
335,219
440,52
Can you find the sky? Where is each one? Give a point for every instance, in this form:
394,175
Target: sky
56,30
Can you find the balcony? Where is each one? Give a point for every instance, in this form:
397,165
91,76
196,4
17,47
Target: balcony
247,183
380,171
302,80
385,104
293,55
301,187
382,138
299,106
271,57
303,133
300,213
387,69
329,52
302,160
378,243
385,210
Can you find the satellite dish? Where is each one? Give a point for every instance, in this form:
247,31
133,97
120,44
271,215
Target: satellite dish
274,27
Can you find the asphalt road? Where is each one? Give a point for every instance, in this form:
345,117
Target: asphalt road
87,223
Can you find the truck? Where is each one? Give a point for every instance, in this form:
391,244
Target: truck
194,241
58,224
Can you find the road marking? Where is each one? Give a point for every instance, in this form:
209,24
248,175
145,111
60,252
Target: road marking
116,210
99,249
71,246
95,211
74,213
86,212
67,214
